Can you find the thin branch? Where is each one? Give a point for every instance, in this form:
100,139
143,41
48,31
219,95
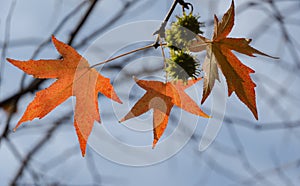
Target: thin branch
243,156
38,147
6,38
58,28
269,172
161,30
83,21
91,165
100,30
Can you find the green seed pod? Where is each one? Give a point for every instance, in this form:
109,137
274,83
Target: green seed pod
183,31
190,22
182,66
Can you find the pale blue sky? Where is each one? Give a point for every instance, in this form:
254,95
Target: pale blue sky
36,20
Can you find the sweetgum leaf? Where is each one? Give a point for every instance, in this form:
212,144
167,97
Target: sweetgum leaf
162,97
219,54
74,78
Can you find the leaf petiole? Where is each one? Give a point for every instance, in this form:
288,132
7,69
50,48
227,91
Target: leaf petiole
125,54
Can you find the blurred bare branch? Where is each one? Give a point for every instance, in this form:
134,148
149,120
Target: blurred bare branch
230,160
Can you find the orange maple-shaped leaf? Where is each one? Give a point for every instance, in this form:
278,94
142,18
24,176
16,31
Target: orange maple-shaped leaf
219,54
74,78
162,97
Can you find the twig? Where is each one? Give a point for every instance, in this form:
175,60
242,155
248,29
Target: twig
6,38
6,128
269,172
35,176
161,31
243,156
95,33
92,168
38,147
122,55
83,21
58,28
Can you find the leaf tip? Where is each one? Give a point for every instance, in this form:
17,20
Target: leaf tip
216,20
206,115
17,126
56,42
202,101
12,61
82,145
232,5
118,100
53,38
205,94
135,79
154,143
203,114
255,114
274,57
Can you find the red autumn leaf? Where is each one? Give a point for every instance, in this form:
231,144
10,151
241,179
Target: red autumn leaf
219,54
74,78
162,97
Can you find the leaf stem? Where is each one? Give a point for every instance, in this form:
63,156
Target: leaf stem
164,56
124,54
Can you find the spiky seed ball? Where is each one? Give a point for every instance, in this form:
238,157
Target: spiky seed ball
190,22
183,31
182,66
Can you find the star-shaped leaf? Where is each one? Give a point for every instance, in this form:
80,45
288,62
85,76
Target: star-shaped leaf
162,97
219,54
74,78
